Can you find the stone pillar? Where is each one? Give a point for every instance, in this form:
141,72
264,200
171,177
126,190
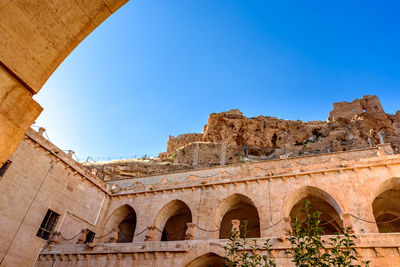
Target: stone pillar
222,157
17,113
150,233
196,155
286,225
55,238
347,222
82,236
114,235
189,235
236,227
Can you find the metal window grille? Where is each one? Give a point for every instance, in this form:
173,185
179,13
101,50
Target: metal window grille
4,168
47,225
90,236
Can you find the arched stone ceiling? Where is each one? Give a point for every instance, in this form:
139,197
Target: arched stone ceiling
37,35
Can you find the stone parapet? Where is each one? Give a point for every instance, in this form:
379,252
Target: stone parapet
380,249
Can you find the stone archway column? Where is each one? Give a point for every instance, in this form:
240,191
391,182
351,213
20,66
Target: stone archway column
361,218
18,111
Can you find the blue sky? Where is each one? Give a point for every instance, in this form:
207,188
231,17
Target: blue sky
157,68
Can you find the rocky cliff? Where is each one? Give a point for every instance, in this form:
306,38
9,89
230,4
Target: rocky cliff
354,125
229,137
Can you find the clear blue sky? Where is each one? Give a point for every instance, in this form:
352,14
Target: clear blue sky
157,68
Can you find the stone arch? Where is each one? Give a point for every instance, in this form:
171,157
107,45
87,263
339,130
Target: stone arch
240,207
208,259
199,250
171,221
386,206
38,36
125,219
320,201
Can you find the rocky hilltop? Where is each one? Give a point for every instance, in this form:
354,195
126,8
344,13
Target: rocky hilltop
354,125
229,137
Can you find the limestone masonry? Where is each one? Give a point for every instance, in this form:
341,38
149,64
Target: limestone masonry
177,210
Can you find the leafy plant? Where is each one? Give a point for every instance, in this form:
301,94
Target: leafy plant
306,240
237,251
308,247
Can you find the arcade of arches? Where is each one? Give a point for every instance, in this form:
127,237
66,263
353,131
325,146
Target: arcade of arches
36,37
181,220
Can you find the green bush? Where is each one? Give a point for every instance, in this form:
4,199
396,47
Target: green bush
308,247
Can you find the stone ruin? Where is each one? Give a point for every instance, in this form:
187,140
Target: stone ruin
230,137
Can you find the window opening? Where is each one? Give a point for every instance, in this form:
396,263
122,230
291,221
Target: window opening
89,236
4,168
47,225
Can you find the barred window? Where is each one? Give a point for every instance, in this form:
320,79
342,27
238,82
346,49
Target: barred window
47,225
4,168
89,237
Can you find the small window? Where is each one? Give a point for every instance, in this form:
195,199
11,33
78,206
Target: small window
4,168
89,237
47,225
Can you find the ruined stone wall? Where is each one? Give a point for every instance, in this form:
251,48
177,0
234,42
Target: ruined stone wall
125,169
42,177
181,140
367,104
206,154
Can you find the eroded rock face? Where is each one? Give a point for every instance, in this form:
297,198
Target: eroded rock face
229,137
349,126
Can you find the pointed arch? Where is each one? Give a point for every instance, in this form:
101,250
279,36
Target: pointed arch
208,259
240,207
171,221
125,219
320,201
386,206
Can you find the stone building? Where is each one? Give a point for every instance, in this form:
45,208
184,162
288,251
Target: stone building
57,212
47,195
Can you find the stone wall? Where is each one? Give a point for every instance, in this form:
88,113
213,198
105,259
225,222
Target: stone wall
130,168
366,105
206,154
42,177
181,140
348,182
380,249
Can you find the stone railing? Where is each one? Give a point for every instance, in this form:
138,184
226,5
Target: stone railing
380,249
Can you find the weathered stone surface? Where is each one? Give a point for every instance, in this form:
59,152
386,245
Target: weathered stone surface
35,37
123,169
17,112
350,126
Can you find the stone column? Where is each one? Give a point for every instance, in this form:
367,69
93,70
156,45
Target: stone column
150,233
189,235
236,227
222,157
114,235
55,238
196,155
82,236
